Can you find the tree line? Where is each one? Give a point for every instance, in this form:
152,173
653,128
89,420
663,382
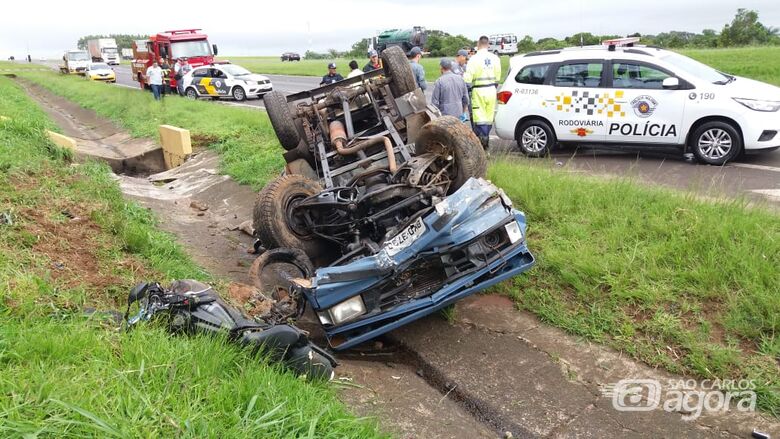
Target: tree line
123,41
744,30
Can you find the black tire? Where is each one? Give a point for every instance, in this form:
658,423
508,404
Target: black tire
271,272
238,94
535,138
398,69
281,119
191,93
272,210
450,132
716,143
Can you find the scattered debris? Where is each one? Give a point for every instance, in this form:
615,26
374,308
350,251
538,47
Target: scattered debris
197,205
6,219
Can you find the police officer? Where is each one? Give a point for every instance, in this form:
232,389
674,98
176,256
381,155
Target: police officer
482,74
332,76
373,61
414,56
459,66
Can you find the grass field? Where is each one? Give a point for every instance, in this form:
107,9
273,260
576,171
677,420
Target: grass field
20,65
761,63
680,283
319,67
68,241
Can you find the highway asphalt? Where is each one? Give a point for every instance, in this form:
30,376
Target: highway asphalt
755,177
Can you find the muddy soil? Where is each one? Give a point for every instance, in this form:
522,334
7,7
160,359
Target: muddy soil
492,372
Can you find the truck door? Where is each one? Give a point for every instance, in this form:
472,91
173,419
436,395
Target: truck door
578,102
653,115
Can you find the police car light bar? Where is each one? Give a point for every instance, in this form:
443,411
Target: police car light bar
620,42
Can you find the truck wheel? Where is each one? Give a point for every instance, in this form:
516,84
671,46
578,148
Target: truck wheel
272,271
273,220
458,139
398,69
238,94
281,119
716,143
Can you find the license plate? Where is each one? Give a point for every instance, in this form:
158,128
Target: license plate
405,238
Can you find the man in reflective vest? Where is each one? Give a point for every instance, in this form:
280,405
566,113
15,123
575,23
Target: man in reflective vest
482,74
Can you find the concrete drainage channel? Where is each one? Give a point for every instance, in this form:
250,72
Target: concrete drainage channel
493,372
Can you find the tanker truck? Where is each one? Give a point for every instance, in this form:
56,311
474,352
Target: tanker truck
103,50
404,38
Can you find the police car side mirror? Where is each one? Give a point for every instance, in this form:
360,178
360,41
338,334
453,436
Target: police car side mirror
671,83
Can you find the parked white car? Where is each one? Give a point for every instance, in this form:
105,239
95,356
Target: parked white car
635,97
225,80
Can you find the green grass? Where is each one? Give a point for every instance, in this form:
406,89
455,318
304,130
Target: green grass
68,375
759,63
19,65
681,283
319,67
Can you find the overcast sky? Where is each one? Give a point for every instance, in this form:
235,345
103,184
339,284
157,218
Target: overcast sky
242,27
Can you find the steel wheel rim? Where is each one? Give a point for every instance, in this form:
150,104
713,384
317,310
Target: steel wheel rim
191,94
715,143
534,139
238,94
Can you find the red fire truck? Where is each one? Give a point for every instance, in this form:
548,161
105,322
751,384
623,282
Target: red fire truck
170,46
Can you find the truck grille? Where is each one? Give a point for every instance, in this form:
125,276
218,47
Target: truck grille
419,280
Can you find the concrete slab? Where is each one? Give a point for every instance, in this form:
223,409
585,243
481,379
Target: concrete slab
176,145
62,141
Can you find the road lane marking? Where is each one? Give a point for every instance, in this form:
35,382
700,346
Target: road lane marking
759,167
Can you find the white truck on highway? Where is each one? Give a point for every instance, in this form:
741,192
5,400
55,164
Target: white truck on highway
74,61
127,54
103,50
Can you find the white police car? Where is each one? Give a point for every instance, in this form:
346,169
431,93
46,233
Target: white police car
635,96
225,80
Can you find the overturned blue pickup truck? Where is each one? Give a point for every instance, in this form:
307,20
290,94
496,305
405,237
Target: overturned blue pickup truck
383,214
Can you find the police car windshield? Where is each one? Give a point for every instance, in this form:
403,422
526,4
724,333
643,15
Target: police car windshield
235,70
697,69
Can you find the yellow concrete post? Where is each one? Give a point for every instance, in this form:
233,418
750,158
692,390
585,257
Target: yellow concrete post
60,140
176,145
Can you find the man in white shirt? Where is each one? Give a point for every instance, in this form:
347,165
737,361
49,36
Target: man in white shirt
355,70
154,75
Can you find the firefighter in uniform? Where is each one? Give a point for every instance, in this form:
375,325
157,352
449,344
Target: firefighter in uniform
482,74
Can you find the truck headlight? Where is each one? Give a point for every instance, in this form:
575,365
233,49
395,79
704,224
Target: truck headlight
513,231
759,105
344,311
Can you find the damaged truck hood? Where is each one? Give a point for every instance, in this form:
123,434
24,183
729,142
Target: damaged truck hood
469,214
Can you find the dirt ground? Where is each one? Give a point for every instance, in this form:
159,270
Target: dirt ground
492,372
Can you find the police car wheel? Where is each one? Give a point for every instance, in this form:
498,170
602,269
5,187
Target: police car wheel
191,93
535,138
238,94
716,143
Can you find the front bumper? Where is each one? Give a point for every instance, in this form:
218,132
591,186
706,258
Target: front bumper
259,90
465,248
111,78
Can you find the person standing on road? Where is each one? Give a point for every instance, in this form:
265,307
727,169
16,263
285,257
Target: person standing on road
414,56
459,66
449,93
482,73
154,75
373,62
181,69
332,76
355,70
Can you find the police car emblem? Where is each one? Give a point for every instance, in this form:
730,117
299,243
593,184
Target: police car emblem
218,83
644,106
